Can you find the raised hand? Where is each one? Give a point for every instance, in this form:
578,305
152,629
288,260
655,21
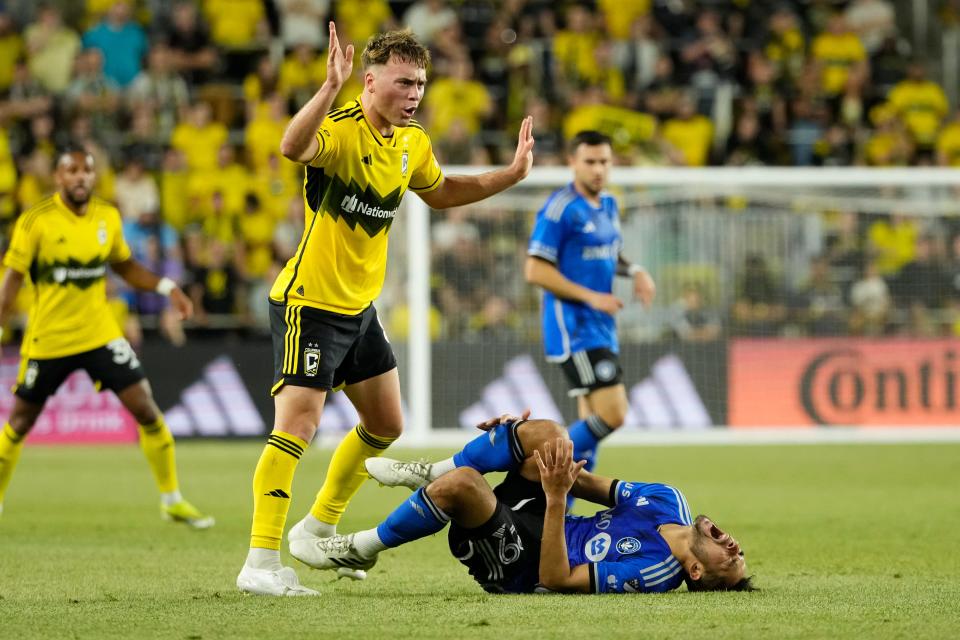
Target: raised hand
339,63
558,471
523,158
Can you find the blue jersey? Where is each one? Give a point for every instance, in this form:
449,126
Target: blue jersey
622,546
583,243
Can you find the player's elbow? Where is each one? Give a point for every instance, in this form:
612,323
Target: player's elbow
289,150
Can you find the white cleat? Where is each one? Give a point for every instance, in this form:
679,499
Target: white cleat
298,532
267,582
395,473
335,553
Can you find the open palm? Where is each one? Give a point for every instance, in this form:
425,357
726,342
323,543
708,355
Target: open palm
339,62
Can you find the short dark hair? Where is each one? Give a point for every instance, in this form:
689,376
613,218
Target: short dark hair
717,584
588,137
69,147
400,44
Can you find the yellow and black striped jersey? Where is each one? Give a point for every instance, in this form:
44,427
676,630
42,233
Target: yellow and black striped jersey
352,190
66,257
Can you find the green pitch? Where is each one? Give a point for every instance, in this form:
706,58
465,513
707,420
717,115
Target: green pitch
845,542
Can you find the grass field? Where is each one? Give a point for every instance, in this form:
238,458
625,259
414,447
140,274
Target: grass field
845,541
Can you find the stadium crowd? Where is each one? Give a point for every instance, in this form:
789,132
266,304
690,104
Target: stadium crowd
183,104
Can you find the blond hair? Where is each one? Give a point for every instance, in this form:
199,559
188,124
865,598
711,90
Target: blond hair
402,45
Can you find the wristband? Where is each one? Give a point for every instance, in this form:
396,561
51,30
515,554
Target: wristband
166,286
634,269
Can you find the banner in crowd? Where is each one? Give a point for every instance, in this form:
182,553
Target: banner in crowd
856,382
220,388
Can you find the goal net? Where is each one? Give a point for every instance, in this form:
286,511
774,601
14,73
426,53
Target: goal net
808,299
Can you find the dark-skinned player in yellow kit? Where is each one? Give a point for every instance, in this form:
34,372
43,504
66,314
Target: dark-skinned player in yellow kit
65,244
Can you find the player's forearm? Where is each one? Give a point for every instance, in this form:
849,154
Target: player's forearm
626,268
9,288
545,275
593,488
136,275
554,563
456,191
300,137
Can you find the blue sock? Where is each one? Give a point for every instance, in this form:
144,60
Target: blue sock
416,518
586,436
497,450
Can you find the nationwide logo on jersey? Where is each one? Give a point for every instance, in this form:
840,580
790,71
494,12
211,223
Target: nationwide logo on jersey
72,272
628,545
363,206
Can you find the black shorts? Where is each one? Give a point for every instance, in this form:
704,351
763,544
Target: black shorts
325,350
503,554
113,366
588,371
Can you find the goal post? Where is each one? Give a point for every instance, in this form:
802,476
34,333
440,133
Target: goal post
803,365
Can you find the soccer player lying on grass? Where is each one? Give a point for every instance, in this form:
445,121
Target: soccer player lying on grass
516,538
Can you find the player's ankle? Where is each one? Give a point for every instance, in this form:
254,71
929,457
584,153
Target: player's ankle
318,527
260,558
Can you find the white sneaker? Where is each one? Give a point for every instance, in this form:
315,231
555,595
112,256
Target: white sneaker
298,532
266,582
335,552
395,473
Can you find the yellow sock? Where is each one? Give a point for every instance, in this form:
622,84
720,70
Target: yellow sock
156,441
272,482
346,473
11,443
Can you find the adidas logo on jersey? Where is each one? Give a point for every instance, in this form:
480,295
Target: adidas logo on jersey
589,227
367,160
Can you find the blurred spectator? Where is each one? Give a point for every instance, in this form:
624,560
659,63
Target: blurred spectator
888,65
871,302
835,148
708,56
236,24
189,40
892,242
122,43
427,17
664,93
26,98
8,179
637,55
301,73
819,305
690,134
873,21
620,17
36,179
747,146
923,282
215,283
159,89
263,133
690,319
11,48
263,81
361,19
175,209
573,46
948,143
888,145
837,52
256,228
627,129
136,191
229,177
303,22
51,48
288,231
199,138
921,105
276,183
94,94
457,98
758,309
786,45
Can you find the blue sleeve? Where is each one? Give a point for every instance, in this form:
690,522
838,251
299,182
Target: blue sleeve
548,234
668,503
631,576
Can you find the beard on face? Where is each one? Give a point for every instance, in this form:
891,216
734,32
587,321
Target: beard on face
77,200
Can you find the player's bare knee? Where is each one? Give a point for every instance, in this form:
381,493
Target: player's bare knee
455,488
534,434
22,422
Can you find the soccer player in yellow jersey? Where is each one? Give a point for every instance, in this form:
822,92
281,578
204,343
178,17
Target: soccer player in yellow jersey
359,160
65,243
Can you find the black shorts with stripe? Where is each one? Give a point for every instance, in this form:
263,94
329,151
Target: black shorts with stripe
503,554
590,370
114,366
326,350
